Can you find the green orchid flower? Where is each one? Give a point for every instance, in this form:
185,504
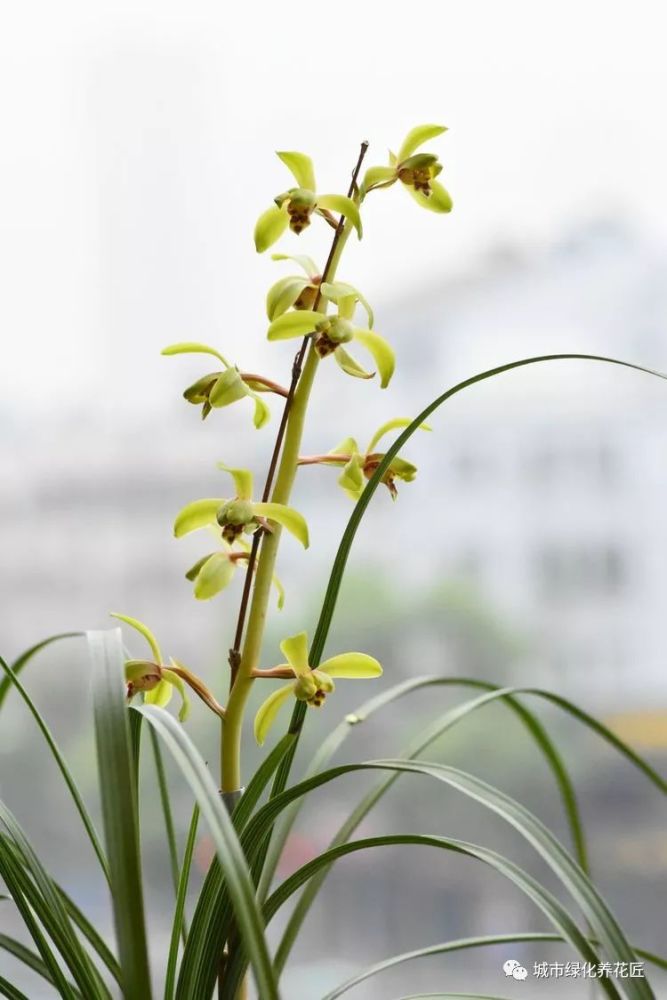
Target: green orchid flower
222,388
359,466
417,172
331,332
311,686
216,570
240,514
151,677
295,207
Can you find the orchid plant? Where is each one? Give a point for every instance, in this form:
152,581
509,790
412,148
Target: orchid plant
226,935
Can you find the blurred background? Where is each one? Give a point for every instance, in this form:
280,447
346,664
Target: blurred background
137,152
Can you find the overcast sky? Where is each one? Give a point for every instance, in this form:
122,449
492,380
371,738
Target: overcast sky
137,145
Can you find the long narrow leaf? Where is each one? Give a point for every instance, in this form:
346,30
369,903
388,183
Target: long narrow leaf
169,831
247,914
602,922
545,900
29,904
24,659
29,958
462,944
62,932
11,992
210,921
88,824
119,810
179,910
340,561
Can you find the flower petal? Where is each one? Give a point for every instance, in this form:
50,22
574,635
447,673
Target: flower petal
417,137
160,695
344,206
294,324
336,290
283,294
349,365
438,201
194,569
262,413
216,574
143,630
287,517
307,263
301,167
351,478
378,177
191,347
392,425
196,515
348,446
270,227
242,480
280,590
178,683
227,389
351,665
295,648
383,354
268,711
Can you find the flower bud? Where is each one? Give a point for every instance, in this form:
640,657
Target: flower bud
199,391
234,517
333,331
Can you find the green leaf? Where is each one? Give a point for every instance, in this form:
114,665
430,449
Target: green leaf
270,227
307,263
382,353
282,296
191,347
142,630
29,958
541,897
344,206
392,425
463,944
294,324
268,710
30,905
216,574
178,925
439,199
302,169
7,990
349,365
336,290
287,517
351,665
60,928
248,918
119,810
603,924
72,786
24,659
416,137
198,514
165,803
242,480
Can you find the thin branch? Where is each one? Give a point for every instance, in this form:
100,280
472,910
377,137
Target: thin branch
268,383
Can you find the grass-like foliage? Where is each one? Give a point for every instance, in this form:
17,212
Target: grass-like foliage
221,946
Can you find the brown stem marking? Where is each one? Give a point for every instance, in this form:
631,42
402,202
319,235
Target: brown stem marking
235,651
324,459
272,386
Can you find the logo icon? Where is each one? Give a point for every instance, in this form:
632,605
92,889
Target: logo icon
515,969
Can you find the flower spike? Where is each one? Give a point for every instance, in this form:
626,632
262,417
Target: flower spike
309,685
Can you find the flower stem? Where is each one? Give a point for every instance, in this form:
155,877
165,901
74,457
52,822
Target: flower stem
230,749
